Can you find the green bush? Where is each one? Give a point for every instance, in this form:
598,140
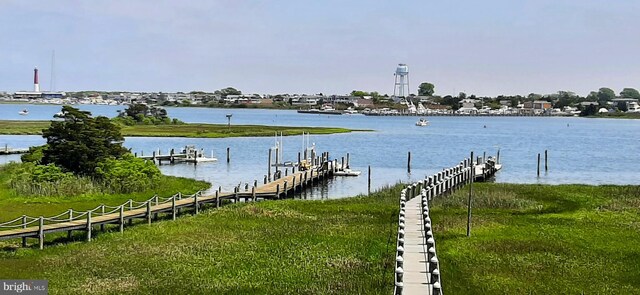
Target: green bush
34,155
29,179
128,174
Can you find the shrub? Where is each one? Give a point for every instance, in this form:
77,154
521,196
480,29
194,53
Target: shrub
34,155
128,174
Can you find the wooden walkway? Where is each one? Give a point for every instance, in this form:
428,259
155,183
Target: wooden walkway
415,267
37,227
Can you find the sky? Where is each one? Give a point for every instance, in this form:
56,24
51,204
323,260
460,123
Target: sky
486,48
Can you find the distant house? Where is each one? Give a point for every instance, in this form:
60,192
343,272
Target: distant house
243,99
536,106
468,104
306,100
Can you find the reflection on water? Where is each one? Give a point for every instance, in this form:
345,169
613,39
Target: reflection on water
593,151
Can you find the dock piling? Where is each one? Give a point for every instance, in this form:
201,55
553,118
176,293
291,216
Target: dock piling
409,162
369,182
269,169
546,168
228,154
538,164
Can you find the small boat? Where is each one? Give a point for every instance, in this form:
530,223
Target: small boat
347,172
24,112
422,122
350,111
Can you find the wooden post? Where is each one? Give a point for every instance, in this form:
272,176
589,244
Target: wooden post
24,225
342,164
253,193
347,160
269,169
155,215
195,203
171,158
369,182
173,207
236,191
498,157
121,223
102,225
149,212
538,164
298,160
285,189
469,201
130,208
255,183
277,158
89,226
409,162
278,191
69,232
217,199
41,232
265,179
293,186
228,154
546,168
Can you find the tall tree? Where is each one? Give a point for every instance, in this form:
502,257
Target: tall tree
426,89
630,93
79,142
605,94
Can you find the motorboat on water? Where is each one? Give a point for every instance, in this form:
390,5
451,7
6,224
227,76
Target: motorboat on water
350,111
24,112
347,172
422,122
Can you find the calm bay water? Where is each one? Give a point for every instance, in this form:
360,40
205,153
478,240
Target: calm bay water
591,151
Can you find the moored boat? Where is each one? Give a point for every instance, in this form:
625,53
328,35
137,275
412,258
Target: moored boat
422,122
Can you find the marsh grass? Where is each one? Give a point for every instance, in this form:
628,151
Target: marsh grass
540,239
180,130
341,246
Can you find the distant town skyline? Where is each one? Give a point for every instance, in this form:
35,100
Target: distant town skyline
484,48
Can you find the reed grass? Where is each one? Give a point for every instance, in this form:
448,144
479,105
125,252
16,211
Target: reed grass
9,127
540,239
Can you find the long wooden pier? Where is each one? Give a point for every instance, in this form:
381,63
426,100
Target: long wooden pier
11,151
25,227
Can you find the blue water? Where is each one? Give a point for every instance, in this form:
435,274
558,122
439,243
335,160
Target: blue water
591,151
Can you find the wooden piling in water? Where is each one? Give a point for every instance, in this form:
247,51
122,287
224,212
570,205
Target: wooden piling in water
347,160
269,169
409,162
369,182
546,168
228,154
538,164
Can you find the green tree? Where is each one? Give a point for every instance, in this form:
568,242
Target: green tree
426,89
630,93
227,91
79,142
605,94
359,93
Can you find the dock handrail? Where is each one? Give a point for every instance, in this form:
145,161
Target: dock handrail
73,215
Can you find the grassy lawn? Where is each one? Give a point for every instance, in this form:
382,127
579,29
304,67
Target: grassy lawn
535,239
342,246
8,127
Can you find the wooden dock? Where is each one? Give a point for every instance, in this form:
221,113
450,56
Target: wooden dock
37,227
11,151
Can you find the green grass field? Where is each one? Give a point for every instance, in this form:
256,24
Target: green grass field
526,239
181,130
342,246
536,239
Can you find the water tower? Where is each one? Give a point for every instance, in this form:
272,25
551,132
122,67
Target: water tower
401,88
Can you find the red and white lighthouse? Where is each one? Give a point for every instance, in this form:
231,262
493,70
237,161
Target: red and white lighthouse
36,85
